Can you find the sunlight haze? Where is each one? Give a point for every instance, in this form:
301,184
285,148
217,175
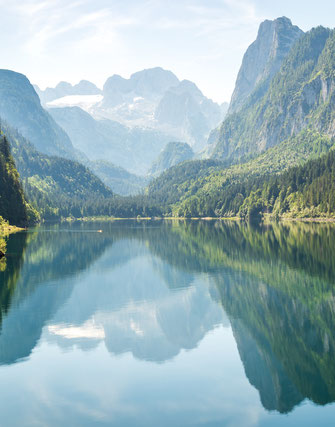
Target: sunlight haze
202,41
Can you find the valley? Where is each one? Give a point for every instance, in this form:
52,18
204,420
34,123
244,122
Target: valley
153,145
167,213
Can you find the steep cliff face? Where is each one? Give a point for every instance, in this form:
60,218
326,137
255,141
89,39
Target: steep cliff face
185,112
299,96
263,58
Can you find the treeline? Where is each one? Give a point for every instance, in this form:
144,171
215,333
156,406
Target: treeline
95,206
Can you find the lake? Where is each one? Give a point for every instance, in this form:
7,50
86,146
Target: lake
168,323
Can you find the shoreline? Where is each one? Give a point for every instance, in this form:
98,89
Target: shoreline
154,218
238,219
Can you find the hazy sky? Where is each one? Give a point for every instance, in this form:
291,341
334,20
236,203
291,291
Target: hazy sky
199,40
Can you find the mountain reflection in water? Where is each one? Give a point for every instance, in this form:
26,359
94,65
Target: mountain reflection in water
155,289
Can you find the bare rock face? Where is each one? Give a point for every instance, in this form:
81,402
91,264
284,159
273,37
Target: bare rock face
263,58
188,114
151,101
150,84
299,96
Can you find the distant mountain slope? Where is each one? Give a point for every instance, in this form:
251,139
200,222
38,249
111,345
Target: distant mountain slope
224,109
173,154
20,107
185,112
132,149
156,99
263,58
118,179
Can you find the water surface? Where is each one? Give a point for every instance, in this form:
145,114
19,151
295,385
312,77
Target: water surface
168,324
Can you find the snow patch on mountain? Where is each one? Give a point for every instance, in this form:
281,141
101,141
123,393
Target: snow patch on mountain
86,102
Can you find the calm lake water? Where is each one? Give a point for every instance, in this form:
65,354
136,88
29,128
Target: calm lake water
168,324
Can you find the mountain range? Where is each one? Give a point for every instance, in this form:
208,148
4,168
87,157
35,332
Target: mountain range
152,99
154,130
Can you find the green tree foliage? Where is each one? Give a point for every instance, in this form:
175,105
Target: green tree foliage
301,191
13,206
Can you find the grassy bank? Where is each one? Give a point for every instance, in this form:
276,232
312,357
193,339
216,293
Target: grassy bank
8,229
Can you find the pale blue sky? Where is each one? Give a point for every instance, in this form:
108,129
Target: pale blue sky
199,40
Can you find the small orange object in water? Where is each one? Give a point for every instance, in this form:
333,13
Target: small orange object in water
99,231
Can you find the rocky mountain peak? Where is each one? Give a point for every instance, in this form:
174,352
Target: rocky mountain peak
116,83
153,81
264,57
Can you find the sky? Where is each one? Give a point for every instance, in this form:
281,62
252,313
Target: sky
199,40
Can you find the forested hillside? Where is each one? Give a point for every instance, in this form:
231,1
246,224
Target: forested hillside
13,206
277,129
118,179
301,191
